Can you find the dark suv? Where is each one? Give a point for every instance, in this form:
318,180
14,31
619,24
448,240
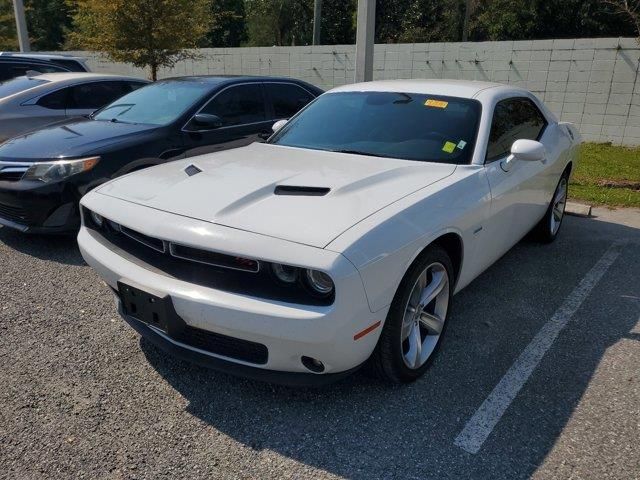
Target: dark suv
18,64
43,174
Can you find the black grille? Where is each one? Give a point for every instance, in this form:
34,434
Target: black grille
213,258
11,176
150,242
205,268
15,214
223,345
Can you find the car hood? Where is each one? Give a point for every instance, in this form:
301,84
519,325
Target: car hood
71,139
237,188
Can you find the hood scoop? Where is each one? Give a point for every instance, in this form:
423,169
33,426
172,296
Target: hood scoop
192,170
301,191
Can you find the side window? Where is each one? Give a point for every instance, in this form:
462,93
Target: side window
238,105
23,69
513,119
287,98
58,100
94,95
131,86
5,71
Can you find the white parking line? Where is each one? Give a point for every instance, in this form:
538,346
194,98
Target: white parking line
482,423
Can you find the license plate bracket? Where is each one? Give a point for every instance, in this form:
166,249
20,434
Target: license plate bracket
146,307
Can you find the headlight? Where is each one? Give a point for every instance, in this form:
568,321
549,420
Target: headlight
59,169
285,273
314,282
319,282
97,219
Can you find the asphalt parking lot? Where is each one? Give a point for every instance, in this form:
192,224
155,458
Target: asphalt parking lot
83,397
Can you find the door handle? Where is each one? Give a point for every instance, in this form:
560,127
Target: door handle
264,135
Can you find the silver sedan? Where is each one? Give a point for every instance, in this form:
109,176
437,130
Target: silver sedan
35,100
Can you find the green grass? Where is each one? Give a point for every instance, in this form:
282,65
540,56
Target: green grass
618,166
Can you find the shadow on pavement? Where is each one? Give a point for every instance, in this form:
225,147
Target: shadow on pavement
360,428
56,248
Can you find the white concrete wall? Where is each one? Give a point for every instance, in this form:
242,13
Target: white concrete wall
591,82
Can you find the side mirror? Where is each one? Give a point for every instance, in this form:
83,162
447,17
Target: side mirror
206,121
278,125
525,150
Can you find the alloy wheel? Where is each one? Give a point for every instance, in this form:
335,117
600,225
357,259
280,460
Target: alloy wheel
424,315
558,205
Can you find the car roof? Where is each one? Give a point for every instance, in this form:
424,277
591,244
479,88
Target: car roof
38,56
69,76
452,88
219,79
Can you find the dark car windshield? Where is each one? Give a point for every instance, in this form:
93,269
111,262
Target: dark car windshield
19,84
156,104
409,126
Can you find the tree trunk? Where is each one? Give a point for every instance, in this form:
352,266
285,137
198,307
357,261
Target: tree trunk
154,72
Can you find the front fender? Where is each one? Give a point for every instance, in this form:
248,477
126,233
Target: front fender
383,246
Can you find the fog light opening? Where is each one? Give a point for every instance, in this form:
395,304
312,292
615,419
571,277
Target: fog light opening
316,366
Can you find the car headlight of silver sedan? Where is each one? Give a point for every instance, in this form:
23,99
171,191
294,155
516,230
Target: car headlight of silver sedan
59,169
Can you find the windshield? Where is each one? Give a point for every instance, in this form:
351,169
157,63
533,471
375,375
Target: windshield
156,104
19,84
410,126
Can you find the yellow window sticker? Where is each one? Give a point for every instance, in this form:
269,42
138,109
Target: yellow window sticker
436,103
449,147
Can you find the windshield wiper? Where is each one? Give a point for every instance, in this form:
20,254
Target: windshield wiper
358,152
119,105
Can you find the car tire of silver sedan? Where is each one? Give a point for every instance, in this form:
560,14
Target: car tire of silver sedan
548,228
416,320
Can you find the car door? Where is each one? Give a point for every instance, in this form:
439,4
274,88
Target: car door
519,196
286,99
86,98
243,113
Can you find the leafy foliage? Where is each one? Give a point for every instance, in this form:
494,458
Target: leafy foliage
228,27
540,19
47,20
122,28
279,22
8,38
145,33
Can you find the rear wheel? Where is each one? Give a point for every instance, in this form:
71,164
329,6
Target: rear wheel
416,319
547,229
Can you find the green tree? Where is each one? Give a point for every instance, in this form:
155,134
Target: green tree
390,16
8,38
47,22
279,22
228,27
337,25
433,21
540,19
145,33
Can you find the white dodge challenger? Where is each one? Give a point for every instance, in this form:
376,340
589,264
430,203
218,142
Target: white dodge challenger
342,239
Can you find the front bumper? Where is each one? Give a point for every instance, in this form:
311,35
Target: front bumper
289,331
186,353
35,207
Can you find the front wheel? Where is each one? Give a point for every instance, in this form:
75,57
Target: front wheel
547,229
416,319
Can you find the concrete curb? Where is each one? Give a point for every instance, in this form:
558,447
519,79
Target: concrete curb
578,209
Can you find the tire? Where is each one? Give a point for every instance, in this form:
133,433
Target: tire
395,359
548,228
